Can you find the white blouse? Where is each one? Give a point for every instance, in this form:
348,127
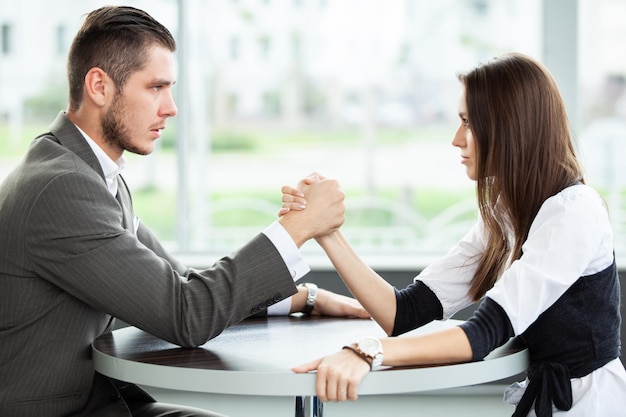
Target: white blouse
570,237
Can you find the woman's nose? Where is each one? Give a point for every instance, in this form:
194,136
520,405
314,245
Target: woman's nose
458,139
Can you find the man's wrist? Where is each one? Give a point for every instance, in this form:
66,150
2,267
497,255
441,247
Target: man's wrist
287,249
295,229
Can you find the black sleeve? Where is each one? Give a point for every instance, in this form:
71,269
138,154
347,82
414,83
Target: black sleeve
488,328
416,305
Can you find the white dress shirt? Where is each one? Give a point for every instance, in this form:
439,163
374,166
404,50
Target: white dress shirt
570,237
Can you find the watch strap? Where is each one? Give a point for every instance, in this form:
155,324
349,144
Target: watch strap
310,298
361,355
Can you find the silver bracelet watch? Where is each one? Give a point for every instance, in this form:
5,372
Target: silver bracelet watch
310,298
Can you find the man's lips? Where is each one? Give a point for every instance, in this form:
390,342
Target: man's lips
157,131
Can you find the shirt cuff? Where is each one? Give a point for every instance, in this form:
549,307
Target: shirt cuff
293,259
281,308
288,250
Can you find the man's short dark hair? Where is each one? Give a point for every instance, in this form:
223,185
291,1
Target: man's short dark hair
115,39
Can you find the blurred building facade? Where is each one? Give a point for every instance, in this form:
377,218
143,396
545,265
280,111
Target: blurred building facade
291,62
300,64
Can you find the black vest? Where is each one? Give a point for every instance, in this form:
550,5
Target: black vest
578,334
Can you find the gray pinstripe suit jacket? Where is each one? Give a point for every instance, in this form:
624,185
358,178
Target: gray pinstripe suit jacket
68,265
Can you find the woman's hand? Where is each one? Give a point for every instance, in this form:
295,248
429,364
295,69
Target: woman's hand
338,375
293,197
293,200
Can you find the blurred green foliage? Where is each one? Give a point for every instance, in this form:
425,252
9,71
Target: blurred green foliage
158,207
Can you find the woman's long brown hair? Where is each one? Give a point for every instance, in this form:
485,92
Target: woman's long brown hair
525,153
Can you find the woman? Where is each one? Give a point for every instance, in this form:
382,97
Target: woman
540,258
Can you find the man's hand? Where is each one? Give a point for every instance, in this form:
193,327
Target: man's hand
323,212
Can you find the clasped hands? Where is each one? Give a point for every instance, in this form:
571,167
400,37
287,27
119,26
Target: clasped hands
323,199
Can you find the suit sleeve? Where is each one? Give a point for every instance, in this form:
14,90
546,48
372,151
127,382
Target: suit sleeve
75,240
145,236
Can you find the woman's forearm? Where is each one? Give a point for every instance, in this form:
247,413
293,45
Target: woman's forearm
369,288
441,347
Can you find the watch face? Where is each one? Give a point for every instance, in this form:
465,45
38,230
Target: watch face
370,346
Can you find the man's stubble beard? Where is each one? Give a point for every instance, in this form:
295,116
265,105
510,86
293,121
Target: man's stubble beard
114,129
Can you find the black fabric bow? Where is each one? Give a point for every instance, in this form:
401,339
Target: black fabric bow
549,383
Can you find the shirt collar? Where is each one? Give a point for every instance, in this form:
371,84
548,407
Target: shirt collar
110,168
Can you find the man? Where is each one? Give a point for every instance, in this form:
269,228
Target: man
72,254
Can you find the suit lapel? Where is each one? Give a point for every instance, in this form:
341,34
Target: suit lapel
66,133
70,137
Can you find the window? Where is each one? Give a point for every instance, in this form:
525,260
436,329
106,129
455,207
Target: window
271,103
7,41
234,46
265,44
62,40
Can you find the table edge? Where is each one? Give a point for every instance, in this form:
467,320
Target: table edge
287,383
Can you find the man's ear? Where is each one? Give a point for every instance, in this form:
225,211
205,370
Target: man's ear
98,86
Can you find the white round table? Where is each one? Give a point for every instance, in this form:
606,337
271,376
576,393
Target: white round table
253,359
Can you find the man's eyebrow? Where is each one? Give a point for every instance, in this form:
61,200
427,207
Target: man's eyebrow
163,82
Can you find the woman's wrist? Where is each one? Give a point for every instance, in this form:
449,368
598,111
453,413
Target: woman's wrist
304,300
328,238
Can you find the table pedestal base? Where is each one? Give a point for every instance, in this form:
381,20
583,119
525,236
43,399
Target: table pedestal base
307,406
